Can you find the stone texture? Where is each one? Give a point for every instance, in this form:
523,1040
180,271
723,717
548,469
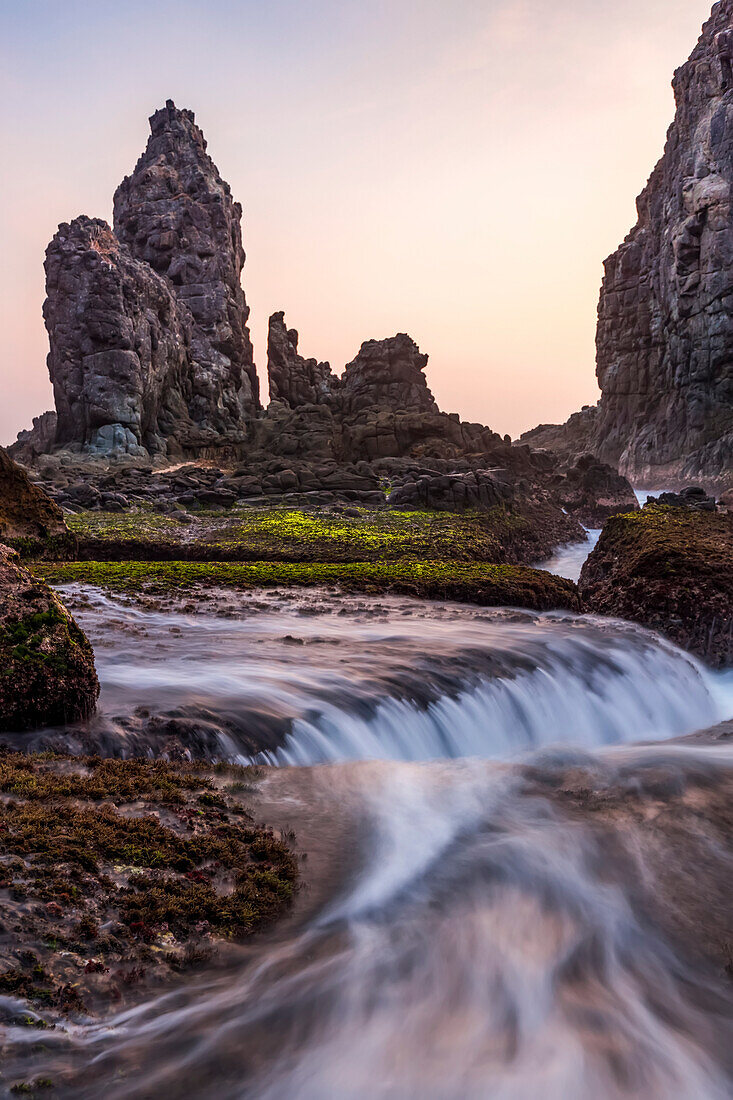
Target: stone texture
295,381
177,214
387,373
37,440
149,347
665,318
119,346
25,510
592,491
47,674
670,569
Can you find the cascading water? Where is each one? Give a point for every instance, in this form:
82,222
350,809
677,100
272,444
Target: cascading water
465,932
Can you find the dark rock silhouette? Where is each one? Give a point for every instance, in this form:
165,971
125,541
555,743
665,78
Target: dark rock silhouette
295,381
665,318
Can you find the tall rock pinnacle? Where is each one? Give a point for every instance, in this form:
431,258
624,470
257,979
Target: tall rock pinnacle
177,213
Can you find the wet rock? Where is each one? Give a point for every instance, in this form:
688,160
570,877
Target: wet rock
47,674
670,569
25,510
692,497
453,492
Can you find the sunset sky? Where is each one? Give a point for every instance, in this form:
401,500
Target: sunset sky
454,169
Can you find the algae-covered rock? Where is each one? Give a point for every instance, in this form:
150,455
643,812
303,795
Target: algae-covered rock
47,673
25,510
670,569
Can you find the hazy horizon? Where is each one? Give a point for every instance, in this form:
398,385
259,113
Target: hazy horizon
458,174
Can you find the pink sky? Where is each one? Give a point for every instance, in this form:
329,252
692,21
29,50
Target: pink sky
456,171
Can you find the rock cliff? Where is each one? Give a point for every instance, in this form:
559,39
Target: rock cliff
665,317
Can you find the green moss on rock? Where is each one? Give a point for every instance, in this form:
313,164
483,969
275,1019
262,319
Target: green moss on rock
670,569
47,671
467,582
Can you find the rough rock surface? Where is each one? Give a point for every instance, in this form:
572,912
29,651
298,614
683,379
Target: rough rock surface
177,213
119,345
665,318
37,440
47,674
592,491
295,381
25,510
670,569
149,347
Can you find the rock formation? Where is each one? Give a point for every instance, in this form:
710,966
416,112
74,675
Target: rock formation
47,666
120,344
665,318
177,214
25,510
149,347
295,381
670,569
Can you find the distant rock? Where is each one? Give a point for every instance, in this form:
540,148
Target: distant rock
665,318
295,381
149,347
177,214
592,491
47,674
670,569
25,510
37,440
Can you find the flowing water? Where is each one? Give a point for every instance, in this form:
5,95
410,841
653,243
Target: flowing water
462,933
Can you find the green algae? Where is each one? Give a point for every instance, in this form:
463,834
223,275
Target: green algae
286,534
478,582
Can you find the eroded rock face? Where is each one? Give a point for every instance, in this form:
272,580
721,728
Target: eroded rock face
387,373
665,317
25,510
119,359
47,674
670,569
177,214
295,381
149,347
591,491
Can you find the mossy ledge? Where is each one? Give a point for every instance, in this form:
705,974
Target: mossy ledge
670,569
148,867
465,582
295,535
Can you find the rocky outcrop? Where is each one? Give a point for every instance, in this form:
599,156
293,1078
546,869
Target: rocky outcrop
177,214
47,674
387,373
149,348
37,440
25,510
665,318
295,381
120,343
670,569
591,491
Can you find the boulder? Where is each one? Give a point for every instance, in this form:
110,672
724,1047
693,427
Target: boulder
47,674
26,512
670,569
592,491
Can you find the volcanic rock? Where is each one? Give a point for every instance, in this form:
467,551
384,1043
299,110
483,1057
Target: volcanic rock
592,491
670,569
47,672
177,214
